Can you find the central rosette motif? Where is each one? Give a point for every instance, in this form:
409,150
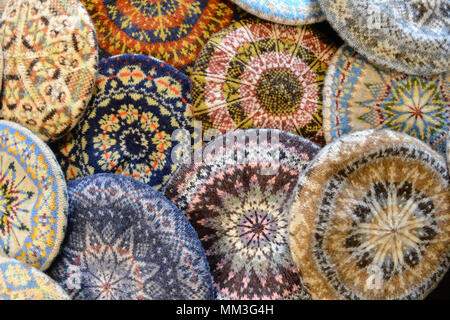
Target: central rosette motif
134,144
279,91
16,204
395,225
143,142
256,228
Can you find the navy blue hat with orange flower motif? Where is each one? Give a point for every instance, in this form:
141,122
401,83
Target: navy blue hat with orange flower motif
128,129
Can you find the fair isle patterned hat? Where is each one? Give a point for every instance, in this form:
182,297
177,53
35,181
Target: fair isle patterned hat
407,36
448,150
139,104
126,241
290,12
19,282
33,198
358,96
173,31
257,74
371,218
238,201
50,61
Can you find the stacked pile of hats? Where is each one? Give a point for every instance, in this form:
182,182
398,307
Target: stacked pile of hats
224,150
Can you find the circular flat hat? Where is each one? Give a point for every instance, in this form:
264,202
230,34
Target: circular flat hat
140,105
50,61
358,96
408,36
33,198
19,282
290,12
170,30
127,241
262,75
371,219
238,201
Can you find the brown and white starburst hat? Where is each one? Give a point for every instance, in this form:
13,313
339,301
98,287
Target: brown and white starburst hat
371,218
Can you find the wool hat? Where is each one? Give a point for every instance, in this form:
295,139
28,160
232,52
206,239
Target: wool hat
238,201
127,241
33,198
408,36
19,282
448,150
50,59
257,74
173,31
358,96
133,122
371,218
290,12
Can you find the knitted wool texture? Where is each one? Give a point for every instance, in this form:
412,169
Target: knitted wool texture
238,201
18,282
50,59
290,12
371,219
262,75
171,30
128,128
126,241
408,36
33,199
448,150
358,96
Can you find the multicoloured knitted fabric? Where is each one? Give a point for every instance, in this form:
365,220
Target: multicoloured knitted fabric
131,124
50,60
33,199
171,30
238,201
18,282
262,75
407,36
290,12
127,241
371,219
358,96
448,151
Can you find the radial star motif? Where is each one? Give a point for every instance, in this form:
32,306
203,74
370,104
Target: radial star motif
33,199
240,210
375,223
120,275
394,228
256,74
415,106
14,210
359,96
126,241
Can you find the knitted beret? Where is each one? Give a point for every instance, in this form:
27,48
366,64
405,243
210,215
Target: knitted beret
50,59
33,198
19,282
408,36
133,122
171,30
358,96
290,12
238,201
126,241
371,218
257,74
